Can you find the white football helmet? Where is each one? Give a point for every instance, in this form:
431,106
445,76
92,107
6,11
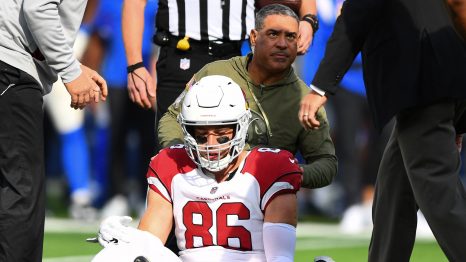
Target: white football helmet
214,100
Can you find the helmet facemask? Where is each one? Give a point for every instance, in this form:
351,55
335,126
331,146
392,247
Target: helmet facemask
201,154
226,107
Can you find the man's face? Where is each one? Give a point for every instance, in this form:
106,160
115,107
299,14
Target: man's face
275,45
213,141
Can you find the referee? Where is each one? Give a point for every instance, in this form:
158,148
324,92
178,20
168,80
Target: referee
191,34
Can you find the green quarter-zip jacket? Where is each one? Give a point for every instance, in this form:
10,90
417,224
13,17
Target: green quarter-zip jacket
276,107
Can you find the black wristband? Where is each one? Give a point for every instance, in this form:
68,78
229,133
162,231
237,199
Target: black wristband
131,68
313,20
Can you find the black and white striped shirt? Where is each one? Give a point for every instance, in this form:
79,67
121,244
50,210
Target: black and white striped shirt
226,20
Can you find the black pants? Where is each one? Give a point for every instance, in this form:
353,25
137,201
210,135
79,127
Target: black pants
126,116
355,172
22,202
172,80
420,170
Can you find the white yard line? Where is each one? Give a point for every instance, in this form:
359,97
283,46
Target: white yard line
62,225
305,229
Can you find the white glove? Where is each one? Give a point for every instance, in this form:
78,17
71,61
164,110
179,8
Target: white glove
115,229
141,244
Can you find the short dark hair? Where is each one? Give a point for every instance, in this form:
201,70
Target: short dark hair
273,9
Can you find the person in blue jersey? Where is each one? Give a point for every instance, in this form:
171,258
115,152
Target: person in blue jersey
125,116
74,148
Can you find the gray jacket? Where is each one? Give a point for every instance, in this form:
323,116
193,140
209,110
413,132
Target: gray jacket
50,26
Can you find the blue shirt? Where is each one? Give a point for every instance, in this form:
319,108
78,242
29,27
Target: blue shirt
353,79
107,24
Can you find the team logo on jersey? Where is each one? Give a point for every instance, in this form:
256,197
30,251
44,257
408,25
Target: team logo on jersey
185,63
213,190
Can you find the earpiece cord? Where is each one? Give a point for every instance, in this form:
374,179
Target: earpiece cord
132,78
261,109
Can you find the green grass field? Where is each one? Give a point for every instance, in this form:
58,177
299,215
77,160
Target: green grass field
64,243
423,252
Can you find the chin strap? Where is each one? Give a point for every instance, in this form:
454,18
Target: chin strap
216,165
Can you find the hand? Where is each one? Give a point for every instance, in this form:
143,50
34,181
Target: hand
310,104
115,229
102,92
141,88
305,37
86,87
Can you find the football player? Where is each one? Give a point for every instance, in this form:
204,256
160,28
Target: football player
226,203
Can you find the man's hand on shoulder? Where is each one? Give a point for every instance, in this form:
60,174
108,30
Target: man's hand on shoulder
88,86
310,104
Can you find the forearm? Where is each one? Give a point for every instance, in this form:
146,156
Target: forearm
319,173
169,130
53,40
282,209
308,7
158,217
132,29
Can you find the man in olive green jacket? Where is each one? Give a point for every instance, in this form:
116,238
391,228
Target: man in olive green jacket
273,92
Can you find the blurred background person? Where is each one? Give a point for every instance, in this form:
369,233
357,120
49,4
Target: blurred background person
69,124
131,135
358,145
